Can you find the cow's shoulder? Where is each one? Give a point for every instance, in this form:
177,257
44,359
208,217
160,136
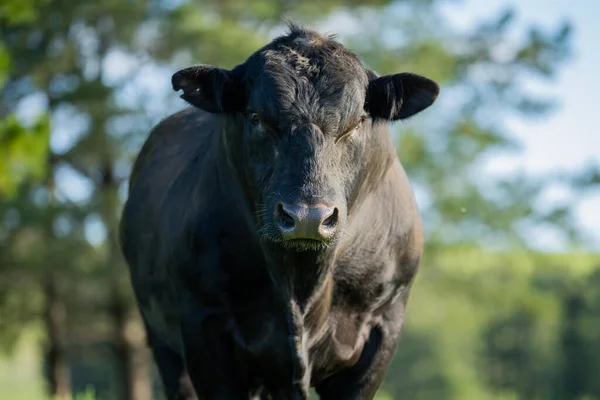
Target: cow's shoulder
383,245
169,217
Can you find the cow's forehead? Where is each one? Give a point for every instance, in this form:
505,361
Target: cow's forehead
310,78
310,56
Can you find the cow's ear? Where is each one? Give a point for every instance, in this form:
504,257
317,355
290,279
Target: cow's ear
210,88
399,96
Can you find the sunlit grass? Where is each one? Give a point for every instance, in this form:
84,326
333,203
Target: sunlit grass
87,395
20,374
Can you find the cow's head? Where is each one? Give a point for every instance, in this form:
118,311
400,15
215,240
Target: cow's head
301,113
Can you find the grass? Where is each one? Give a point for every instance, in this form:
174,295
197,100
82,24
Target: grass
20,377
88,395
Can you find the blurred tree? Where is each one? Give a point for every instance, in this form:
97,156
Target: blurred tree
491,325
24,151
44,58
579,340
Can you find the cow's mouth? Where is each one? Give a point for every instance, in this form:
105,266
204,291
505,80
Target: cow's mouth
305,244
298,245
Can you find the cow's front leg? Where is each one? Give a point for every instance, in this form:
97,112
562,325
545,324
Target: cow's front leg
210,362
209,354
361,381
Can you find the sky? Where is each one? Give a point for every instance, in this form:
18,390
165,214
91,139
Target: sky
567,138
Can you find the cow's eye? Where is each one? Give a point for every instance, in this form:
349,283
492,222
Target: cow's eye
254,118
360,122
350,132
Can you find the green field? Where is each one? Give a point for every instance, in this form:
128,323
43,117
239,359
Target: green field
20,374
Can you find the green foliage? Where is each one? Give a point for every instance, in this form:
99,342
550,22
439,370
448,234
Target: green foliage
494,326
89,394
19,11
23,149
23,152
4,64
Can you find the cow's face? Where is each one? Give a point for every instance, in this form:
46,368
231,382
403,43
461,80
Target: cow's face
302,112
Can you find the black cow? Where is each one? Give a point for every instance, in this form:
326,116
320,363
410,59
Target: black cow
271,233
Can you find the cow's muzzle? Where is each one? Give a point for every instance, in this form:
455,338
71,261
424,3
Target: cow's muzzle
306,222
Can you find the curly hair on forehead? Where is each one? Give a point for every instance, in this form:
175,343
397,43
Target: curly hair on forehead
299,31
309,53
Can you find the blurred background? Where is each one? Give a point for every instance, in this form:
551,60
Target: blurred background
506,167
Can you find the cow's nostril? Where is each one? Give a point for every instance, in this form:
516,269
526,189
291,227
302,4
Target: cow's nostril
285,220
332,220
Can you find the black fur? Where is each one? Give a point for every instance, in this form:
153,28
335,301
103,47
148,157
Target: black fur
223,295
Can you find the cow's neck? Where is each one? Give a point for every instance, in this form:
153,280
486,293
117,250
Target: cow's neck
305,282
300,275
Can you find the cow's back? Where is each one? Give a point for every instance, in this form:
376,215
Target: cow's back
171,145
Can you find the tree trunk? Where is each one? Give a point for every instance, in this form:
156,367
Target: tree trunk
129,339
131,352
59,379
55,317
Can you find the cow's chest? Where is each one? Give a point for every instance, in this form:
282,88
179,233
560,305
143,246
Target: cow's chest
359,300
275,334
278,344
